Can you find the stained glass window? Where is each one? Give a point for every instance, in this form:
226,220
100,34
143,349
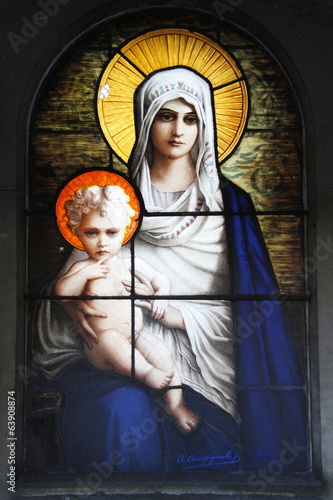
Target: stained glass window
230,240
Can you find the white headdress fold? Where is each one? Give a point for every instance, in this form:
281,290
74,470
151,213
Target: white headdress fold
161,87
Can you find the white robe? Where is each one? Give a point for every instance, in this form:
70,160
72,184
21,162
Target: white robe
204,353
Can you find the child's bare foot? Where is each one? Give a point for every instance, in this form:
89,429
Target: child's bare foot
157,379
187,420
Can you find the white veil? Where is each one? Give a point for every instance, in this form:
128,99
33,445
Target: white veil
190,249
204,195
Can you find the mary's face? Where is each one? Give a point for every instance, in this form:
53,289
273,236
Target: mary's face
174,130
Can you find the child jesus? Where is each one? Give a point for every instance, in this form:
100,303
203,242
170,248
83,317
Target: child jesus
99,216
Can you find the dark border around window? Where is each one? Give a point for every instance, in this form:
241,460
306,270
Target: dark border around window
180,483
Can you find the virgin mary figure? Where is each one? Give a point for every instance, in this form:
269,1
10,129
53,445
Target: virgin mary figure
226,329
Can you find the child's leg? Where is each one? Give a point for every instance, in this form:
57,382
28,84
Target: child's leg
157,354
114,352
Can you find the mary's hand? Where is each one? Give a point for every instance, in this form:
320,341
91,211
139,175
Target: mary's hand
142,287
170,317
79,310
142,284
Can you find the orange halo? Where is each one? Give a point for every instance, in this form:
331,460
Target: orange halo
94,178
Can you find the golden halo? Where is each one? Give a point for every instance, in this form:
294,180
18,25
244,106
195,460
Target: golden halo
162,49
94,178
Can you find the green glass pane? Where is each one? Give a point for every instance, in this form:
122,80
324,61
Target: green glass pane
56,157
266,165
68,101
272,104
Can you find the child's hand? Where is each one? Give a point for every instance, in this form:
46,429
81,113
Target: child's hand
96,270
159,308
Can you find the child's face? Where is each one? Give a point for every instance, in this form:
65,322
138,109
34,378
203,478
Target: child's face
100,236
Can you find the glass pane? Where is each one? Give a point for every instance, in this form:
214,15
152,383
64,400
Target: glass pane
273,104
67,102
55,158
283,236
297,313
46,259
266,165
287,455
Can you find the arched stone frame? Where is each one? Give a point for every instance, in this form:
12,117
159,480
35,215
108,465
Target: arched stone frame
299,93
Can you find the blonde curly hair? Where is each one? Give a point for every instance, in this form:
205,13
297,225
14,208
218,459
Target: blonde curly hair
105,199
